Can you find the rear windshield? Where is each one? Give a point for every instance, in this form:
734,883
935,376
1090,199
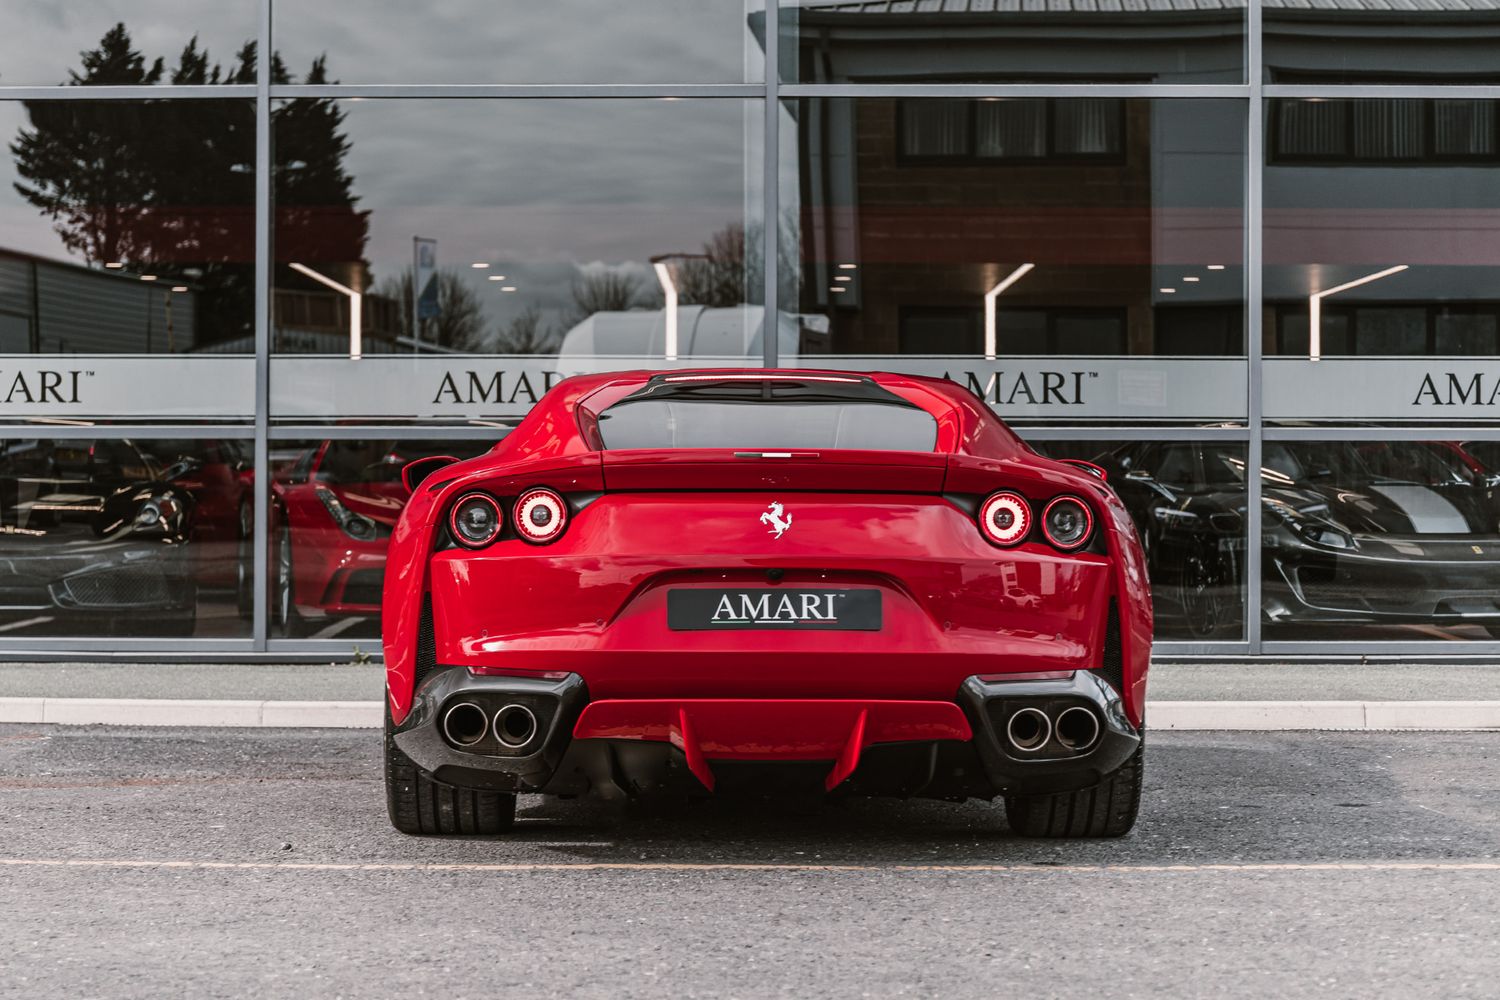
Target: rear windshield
761,414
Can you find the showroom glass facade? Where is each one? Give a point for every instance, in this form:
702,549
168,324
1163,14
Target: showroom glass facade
256,255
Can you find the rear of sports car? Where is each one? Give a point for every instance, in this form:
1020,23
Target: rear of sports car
859,584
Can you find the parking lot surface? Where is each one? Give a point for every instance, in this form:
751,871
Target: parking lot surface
162,862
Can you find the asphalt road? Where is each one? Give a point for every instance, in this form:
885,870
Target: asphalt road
207,863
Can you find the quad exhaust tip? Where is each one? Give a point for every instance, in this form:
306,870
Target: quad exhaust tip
465,724
515,726
1028,730
1078,728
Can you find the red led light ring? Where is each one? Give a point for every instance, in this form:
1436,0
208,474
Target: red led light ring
453,520
528,502
1088,521
1020,513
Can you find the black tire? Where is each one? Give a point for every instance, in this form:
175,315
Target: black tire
420,804
244,570
1207,590
284,613
1106,810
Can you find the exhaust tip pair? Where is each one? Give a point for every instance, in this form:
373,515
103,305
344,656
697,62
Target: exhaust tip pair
1075,728
467,725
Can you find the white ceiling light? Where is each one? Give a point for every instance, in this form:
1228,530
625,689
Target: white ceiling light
1315,307
990,336
356,308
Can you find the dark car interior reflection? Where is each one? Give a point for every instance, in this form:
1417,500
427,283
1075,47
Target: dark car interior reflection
1369,532
93,539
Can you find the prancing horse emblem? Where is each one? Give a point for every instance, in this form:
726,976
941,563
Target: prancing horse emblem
775,520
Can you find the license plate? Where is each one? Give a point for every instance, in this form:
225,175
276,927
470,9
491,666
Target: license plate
773,608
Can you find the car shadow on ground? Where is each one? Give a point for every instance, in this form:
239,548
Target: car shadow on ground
1235,797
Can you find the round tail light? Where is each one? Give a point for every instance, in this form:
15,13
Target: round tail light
1005,518
541,515
1067,523
475,520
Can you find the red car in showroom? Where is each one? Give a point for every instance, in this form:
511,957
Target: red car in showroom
715,580
335,504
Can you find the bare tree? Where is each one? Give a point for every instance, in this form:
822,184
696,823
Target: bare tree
730,271
526,334
459,324
722,276
610,291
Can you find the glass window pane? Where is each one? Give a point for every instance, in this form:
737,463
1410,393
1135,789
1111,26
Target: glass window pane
127,248
127,42
985,41
522,41
1463,129
1380,540
1015,130
1103,229
1088,127
128,226
935,128
126,538
1187,501
546,238
1463,332
1379,264
1388,130
334,504
780,414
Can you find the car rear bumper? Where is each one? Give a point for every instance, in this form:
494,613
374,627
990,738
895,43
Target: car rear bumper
939,749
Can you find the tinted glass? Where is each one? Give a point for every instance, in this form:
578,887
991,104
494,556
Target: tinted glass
1379,247
1349,41
334,504
522,41
990,41
1187,499
1380,540
125,538
126,42
972,237
127,227
527,240
766,414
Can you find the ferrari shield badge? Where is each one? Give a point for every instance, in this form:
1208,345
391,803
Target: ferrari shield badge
773,517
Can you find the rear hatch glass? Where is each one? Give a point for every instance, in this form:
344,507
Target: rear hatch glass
767,414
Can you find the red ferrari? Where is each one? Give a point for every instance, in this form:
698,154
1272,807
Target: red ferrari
714,580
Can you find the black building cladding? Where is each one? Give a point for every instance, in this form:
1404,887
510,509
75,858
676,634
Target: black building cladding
271,267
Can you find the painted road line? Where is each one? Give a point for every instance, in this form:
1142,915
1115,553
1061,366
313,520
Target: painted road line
1262,716
670,866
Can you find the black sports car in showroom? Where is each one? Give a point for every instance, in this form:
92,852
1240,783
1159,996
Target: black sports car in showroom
93,539
1354,532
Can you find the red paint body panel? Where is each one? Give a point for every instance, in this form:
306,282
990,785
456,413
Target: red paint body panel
593,602
948,596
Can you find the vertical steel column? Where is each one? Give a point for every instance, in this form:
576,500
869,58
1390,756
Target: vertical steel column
771,190
1255,317
261,531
